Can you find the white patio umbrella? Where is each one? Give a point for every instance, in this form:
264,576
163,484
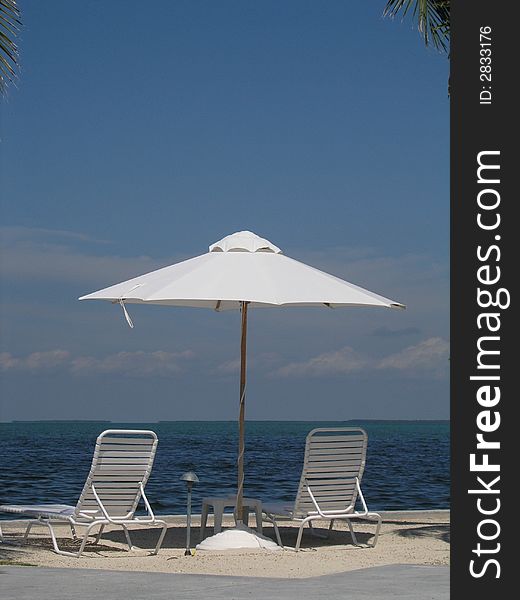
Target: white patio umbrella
241,271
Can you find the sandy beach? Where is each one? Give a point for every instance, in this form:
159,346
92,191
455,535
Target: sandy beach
407,537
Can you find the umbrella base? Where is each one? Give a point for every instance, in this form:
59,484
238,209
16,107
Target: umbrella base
238,537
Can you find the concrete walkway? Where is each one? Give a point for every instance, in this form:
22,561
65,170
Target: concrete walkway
377,583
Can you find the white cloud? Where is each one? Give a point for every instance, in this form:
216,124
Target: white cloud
29,254
132,364
14,234
429,357
342,361
265,360
34,362
230,367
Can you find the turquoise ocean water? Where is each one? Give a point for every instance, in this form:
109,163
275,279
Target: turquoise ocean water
407,462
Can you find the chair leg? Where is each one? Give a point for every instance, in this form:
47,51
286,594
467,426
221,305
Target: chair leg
277,533
378,527
161,536
85,538
73,532
299,538
354,538
127,535
331,525
27,530
100,533
54,541
272,520
63,552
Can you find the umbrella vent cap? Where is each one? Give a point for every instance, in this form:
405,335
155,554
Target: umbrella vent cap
244,241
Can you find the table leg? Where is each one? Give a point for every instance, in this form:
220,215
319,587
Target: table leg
218,511
245,515
203,520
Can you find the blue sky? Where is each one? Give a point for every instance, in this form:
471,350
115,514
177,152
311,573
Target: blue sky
137,137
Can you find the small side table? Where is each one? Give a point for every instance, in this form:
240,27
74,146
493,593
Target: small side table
219,504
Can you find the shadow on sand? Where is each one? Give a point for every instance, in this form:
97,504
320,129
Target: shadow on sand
145,539
176,537
436,530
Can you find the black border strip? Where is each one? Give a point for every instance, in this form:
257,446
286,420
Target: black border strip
483,123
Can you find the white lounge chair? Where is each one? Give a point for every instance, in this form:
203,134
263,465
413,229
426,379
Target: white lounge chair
330,483
121,466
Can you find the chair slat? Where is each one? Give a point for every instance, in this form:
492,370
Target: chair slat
339,481
141,462
343,444
341,471
117,477
109,495
110,498
125,453
335,451
108,471
103,484
337,438
104,464
339,493
324,506
124,448
127,440
327,462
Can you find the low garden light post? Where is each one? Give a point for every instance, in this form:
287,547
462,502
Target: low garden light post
190,478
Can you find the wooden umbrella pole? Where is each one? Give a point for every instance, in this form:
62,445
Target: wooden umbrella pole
241,418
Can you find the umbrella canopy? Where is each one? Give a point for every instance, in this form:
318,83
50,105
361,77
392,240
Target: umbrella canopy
241,268
241,271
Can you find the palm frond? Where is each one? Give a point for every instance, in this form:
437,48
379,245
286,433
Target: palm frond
432,16
9,27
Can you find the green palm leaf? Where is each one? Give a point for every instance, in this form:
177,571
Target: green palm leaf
432,16
9,26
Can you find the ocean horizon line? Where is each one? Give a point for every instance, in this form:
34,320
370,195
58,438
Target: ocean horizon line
228,421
